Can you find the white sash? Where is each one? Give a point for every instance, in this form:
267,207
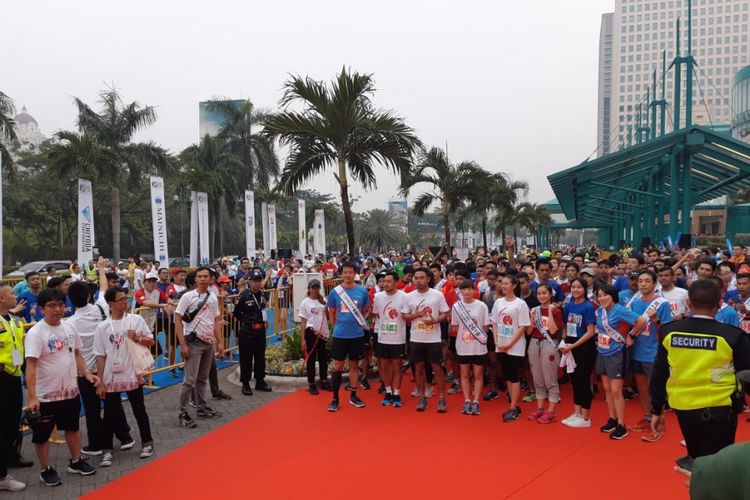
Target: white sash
439,285
469,323
538,323
608,329
349,303
636,295
655,305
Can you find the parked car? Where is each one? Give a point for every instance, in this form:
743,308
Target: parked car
40,266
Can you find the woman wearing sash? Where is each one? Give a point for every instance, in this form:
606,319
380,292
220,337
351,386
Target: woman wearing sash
544,358
470,321
580,342
613,325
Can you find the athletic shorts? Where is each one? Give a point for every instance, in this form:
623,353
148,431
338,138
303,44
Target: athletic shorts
641,367
511,366
66,415
476,360
390,351
444,331
421,352
612,366
490,340
352,348
452,345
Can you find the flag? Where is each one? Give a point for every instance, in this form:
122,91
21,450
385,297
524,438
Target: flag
159,221
85,222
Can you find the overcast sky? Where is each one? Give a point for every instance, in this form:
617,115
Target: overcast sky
509,84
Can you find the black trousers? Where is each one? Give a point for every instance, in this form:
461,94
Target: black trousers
11,400
708,430
95,430
114,413
252,346
318,353
585,357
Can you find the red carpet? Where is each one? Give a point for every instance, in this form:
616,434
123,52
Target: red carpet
293,448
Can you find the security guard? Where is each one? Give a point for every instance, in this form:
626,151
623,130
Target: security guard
695,366
92,272
11,397
251,313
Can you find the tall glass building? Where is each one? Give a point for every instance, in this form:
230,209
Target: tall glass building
741,105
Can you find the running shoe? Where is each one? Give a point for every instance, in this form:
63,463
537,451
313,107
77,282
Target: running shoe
651,437
381,389
493,394
397,401
536,415
620,432
512,414
146,452
10,484
49,477
325,385
313,390
610,426
172,373
192,404
528,398
643,425
106,460
356,402
185,420
221,395
415,393
442,407
365,384
348,387
81,466
466,409
387,400
207,412
422,405
127,445
88,450
455,388
334,405
429,392
475,408
547,418
565,421
450,377
578,422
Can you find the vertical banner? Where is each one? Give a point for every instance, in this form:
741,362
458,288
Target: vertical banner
302,229
272,242
264,222
250,224
193,229
319,236
85,222
159,221
202,199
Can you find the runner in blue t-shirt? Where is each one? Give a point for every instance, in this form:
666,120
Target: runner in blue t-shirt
613,326
655,310
348,333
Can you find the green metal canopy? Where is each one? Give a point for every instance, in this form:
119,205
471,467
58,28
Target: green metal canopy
647,187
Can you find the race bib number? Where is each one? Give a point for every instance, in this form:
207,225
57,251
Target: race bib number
572,330
604,341
387,327
745,325
545,322
116,366
673,308
422,327
506,331
264,314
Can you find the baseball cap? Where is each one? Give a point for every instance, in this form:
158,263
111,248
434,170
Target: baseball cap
313,283
176,270
255,276
633,274
224,279
153,275
588,271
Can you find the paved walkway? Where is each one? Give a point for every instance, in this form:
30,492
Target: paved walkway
161,406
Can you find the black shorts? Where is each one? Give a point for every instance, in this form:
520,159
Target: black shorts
444,331
490,341
66,415
511,366
390,351
421,352
476,360
641,368
353,348
452,345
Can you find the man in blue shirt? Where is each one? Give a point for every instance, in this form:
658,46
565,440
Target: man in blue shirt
634,263
625,296
348,331
31,312
656,311
544,271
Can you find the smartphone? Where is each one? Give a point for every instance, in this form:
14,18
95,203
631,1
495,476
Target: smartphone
685,462
95,253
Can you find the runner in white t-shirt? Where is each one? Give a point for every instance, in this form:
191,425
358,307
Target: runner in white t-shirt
510,317
312,312
677,297
53,362
391,328
426,308
471,343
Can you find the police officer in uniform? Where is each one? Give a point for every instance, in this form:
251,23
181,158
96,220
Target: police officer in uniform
695,366
251,313
11,396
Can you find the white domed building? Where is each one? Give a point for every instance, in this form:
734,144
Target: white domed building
30,138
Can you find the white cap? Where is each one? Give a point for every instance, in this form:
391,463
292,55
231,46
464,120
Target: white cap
152,275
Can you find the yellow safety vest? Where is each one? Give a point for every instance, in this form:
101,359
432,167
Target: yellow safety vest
11,338
702,370
92,275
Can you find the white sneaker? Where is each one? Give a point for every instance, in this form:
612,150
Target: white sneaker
415,393
106,460
570,418
428,392
146,452
579,423
9,484
682,443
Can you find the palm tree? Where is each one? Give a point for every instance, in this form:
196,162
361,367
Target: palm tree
209,167
108,135
339,127
240,133
452,185
378,229
533,216
7,131
498,192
